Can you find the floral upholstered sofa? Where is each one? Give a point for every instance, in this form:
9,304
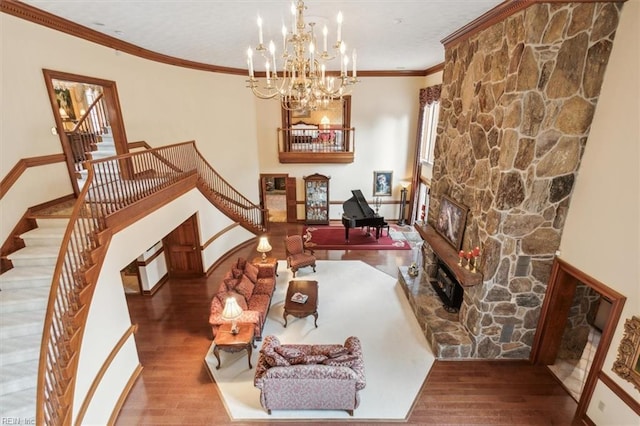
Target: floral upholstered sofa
252,286
310,377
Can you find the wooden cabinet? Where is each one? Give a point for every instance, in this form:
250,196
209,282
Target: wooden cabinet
316,204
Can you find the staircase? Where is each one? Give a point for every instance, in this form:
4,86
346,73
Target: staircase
23,302
28,395
104,149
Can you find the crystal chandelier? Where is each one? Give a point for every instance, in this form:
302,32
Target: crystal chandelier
303,81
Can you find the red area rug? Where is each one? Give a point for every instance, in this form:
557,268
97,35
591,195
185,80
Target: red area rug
332,238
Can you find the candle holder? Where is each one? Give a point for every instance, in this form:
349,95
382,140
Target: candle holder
476,260
460,257
469,256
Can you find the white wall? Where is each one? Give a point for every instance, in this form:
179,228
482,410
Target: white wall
152,269
384,113
161,104
602,232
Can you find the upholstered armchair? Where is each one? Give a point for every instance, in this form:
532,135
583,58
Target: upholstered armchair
297,255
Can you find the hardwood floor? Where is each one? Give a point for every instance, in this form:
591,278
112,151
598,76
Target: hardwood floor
175,388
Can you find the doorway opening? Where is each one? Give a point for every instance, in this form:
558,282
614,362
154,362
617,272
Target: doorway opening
278,195
578,319
88,120
580,339
130,276
276,198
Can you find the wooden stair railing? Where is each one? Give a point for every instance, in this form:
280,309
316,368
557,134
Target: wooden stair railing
87,132
113,184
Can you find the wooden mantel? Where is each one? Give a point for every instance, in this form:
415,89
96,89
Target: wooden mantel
449,256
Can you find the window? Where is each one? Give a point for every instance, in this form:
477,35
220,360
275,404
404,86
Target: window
429,131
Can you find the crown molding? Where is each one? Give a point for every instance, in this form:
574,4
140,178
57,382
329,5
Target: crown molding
495,15
37,16
500,13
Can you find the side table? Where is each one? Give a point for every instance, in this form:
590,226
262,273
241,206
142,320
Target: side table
270,262
234,342
301,310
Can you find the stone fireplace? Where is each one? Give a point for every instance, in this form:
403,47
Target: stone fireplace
516,107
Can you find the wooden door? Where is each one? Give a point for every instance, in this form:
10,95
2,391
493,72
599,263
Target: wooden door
292,200
182,250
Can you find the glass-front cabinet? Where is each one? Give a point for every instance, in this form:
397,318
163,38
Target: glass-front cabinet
316,205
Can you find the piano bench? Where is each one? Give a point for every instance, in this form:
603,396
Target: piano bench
384,225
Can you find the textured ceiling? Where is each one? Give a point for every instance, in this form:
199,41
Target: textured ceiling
388,35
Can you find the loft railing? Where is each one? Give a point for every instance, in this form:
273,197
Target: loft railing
316,144
113,184
87,132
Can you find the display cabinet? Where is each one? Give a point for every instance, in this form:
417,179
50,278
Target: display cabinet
316,205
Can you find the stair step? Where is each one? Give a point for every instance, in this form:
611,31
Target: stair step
36,255
16,349
98,155
21,324
25,299
44,236
19,376
27,277
20,405
52,222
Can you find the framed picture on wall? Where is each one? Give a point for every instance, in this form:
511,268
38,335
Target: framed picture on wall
451,220
627,364
382,183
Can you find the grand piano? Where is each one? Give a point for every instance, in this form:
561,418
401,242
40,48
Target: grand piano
357,213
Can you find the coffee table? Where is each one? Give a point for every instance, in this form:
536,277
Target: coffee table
301,310
234,342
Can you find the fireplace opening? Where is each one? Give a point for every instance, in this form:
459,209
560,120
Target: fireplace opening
448,288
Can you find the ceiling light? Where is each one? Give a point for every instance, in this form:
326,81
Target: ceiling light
302,81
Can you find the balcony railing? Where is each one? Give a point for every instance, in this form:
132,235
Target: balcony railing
316,145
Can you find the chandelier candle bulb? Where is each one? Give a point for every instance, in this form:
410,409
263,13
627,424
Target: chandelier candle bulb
272,49
250,60
260,40
284,38
325,31
266,65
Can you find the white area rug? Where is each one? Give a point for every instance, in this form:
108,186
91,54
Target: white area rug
354,299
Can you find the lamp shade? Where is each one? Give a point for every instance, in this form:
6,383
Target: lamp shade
264,247
231,309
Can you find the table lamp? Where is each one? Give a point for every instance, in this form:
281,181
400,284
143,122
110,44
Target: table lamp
231,312
264,247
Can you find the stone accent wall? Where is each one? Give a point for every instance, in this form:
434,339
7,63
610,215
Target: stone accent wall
516,107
